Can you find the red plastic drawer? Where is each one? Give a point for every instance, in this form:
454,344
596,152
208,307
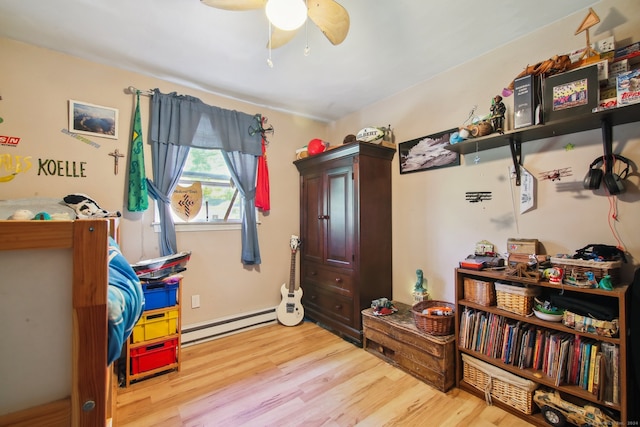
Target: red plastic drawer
148,358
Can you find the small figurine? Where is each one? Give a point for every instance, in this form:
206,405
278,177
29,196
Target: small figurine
556,275
605,283
497,114
591,279
418,287
419,291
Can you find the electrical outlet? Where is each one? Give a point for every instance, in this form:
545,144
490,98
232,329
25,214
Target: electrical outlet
195,301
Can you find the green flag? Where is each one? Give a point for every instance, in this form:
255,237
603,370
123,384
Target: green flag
138,194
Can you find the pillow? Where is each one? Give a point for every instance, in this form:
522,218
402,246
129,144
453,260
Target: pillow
85,207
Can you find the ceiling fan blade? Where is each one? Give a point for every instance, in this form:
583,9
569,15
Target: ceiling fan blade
280,37
331,18
235,4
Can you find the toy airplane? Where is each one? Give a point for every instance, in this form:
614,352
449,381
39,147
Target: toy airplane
478,196
556,174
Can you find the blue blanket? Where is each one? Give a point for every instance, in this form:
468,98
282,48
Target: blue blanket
125,301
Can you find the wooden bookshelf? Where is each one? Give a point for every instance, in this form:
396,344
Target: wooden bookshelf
618,296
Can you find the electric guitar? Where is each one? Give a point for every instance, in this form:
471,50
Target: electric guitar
290,311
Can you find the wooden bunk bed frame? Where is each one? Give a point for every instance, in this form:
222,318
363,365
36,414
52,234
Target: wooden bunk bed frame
92,385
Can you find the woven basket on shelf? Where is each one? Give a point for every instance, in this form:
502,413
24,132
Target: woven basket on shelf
479,291
578,268
501,385
433,324
515,299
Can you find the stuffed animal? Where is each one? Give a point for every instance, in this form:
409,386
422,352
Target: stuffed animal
42,216
22,215
85,207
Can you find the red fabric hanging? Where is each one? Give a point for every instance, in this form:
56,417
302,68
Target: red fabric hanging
262,186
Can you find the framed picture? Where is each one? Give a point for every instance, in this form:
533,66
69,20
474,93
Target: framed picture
427,152
572,93
95,120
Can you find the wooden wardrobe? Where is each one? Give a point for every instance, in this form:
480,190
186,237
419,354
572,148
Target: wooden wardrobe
345,228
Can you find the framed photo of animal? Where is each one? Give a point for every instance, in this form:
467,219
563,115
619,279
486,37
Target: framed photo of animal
427,152
94,120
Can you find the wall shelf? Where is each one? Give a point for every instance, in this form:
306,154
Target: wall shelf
580,123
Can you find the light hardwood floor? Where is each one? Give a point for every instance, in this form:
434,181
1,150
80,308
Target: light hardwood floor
298,376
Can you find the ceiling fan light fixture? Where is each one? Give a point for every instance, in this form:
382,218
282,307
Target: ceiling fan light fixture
287,15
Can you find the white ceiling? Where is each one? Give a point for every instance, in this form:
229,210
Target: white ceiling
392,44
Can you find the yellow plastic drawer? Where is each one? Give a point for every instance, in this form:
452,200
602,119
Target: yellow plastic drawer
156,325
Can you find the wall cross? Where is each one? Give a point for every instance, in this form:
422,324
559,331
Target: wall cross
116,156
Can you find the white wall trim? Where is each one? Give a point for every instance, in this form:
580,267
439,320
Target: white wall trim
206,331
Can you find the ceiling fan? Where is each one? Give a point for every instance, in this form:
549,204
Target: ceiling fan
328,15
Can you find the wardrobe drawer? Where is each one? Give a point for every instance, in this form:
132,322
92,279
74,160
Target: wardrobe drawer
333,279
318,299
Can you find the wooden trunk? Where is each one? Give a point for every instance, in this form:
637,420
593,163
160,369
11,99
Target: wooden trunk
396,339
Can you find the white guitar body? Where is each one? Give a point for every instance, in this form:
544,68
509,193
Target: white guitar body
290,311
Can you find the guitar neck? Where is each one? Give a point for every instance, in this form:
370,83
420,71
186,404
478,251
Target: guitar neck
292,276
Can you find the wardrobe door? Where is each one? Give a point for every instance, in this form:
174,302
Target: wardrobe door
339,219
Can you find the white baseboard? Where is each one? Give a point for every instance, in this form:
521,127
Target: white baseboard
218,328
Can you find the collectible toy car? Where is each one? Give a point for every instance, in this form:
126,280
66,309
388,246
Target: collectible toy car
558,412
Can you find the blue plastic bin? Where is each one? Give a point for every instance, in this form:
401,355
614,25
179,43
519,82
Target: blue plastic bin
159,295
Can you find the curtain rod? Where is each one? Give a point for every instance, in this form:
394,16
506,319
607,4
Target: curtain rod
133,90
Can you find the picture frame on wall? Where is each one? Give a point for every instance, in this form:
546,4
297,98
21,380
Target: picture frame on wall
94,120
571,93
427,152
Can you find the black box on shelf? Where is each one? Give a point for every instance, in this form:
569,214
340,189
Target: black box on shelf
526,99
572,93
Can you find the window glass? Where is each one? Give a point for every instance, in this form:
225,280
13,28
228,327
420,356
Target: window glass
220,199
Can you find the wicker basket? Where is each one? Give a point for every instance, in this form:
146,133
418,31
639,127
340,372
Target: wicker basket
515,298
577,268
508,388
432,324
479,291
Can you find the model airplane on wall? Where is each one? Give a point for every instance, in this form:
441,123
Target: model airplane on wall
477,196
556,174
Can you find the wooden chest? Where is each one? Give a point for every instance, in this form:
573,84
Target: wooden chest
396,339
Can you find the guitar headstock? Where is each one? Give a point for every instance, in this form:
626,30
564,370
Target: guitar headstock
294,242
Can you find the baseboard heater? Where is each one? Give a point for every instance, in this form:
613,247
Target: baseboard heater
207,331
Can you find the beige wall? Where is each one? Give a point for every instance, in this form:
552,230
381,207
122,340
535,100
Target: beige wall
434,227
35,90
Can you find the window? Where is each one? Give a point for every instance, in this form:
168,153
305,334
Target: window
220,199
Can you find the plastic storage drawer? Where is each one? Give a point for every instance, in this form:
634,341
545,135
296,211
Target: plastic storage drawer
156,325
159,295
148,358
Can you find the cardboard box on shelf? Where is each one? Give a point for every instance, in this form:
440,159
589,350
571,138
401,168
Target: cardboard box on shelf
628,87
631,52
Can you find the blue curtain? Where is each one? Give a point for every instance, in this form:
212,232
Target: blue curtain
244,169
168,162
179,122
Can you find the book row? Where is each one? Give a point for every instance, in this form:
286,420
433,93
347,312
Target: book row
565,358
